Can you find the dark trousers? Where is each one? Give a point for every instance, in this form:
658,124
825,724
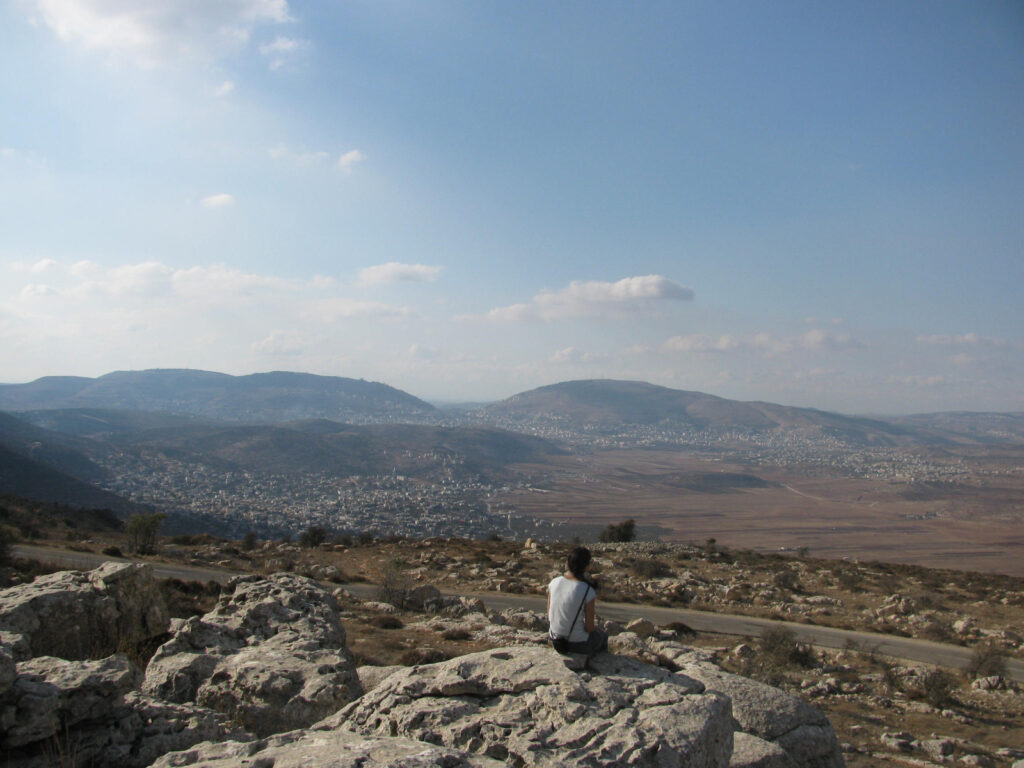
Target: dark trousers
596,643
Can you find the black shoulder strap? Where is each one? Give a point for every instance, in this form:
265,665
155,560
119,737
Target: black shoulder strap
582,603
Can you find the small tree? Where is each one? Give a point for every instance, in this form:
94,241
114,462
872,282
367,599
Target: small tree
313,536
624,531
250,541
7,539
142,531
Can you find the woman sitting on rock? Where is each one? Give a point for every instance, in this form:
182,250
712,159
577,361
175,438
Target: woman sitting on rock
572,603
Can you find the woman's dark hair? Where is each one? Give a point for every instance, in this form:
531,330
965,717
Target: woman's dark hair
579,559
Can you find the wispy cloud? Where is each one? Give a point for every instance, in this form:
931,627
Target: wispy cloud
299,157
703,343
397,272
220,200
282,50
962,340
148,32
580,299
348,160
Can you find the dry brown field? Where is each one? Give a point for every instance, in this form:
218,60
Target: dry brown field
976,524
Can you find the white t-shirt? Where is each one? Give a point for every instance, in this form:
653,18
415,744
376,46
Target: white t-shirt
566,595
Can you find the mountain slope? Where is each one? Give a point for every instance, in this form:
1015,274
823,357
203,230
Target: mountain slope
597,405
336,449
256,398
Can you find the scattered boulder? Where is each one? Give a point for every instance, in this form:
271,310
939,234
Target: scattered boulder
642,628
528,707
271,655
419,597
83,614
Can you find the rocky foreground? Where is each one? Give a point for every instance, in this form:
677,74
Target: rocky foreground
266,679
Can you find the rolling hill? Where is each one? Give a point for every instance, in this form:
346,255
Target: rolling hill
604,405
41,465
256,398
321,446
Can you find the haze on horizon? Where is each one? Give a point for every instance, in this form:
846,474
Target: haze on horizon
813,205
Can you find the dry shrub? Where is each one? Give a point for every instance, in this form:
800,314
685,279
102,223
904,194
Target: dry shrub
651,569
456,634
986,661
386,621
415,656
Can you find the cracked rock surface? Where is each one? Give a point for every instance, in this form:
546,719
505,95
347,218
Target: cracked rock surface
528,707
271,655
335,749
82,614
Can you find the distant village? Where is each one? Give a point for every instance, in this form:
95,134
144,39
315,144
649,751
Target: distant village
463,504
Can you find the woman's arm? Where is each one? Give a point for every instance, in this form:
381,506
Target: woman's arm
590,615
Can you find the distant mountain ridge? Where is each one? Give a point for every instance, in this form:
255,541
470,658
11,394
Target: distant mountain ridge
256,398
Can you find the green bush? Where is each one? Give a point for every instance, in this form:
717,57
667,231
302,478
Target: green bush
142,532
624,531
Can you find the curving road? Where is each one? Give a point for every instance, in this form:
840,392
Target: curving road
906,648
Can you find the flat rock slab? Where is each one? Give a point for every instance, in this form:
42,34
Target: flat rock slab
529,707
324,749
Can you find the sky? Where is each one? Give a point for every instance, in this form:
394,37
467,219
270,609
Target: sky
813,204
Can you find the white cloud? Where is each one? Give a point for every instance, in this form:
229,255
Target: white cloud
703,343
339,308
396,272
280,344
298,157
222,200
582,299
349,159
423,352
281,50
962,340
224,89
148,32
572,356
819,339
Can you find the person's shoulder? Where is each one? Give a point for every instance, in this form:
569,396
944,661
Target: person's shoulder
556,581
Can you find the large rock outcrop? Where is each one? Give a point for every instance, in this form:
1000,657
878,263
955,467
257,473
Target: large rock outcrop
75,713
271,655
83,615
529,707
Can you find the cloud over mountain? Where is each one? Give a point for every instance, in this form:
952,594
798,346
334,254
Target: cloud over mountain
585,298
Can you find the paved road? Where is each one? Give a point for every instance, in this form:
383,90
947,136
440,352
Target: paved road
703,621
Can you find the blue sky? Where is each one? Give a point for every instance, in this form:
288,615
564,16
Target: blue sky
816,204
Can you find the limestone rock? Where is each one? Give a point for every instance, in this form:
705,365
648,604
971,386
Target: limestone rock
801,729
271,655
83,614
420,596
324,749
751,752
51,694
642,628
527,706
371,677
